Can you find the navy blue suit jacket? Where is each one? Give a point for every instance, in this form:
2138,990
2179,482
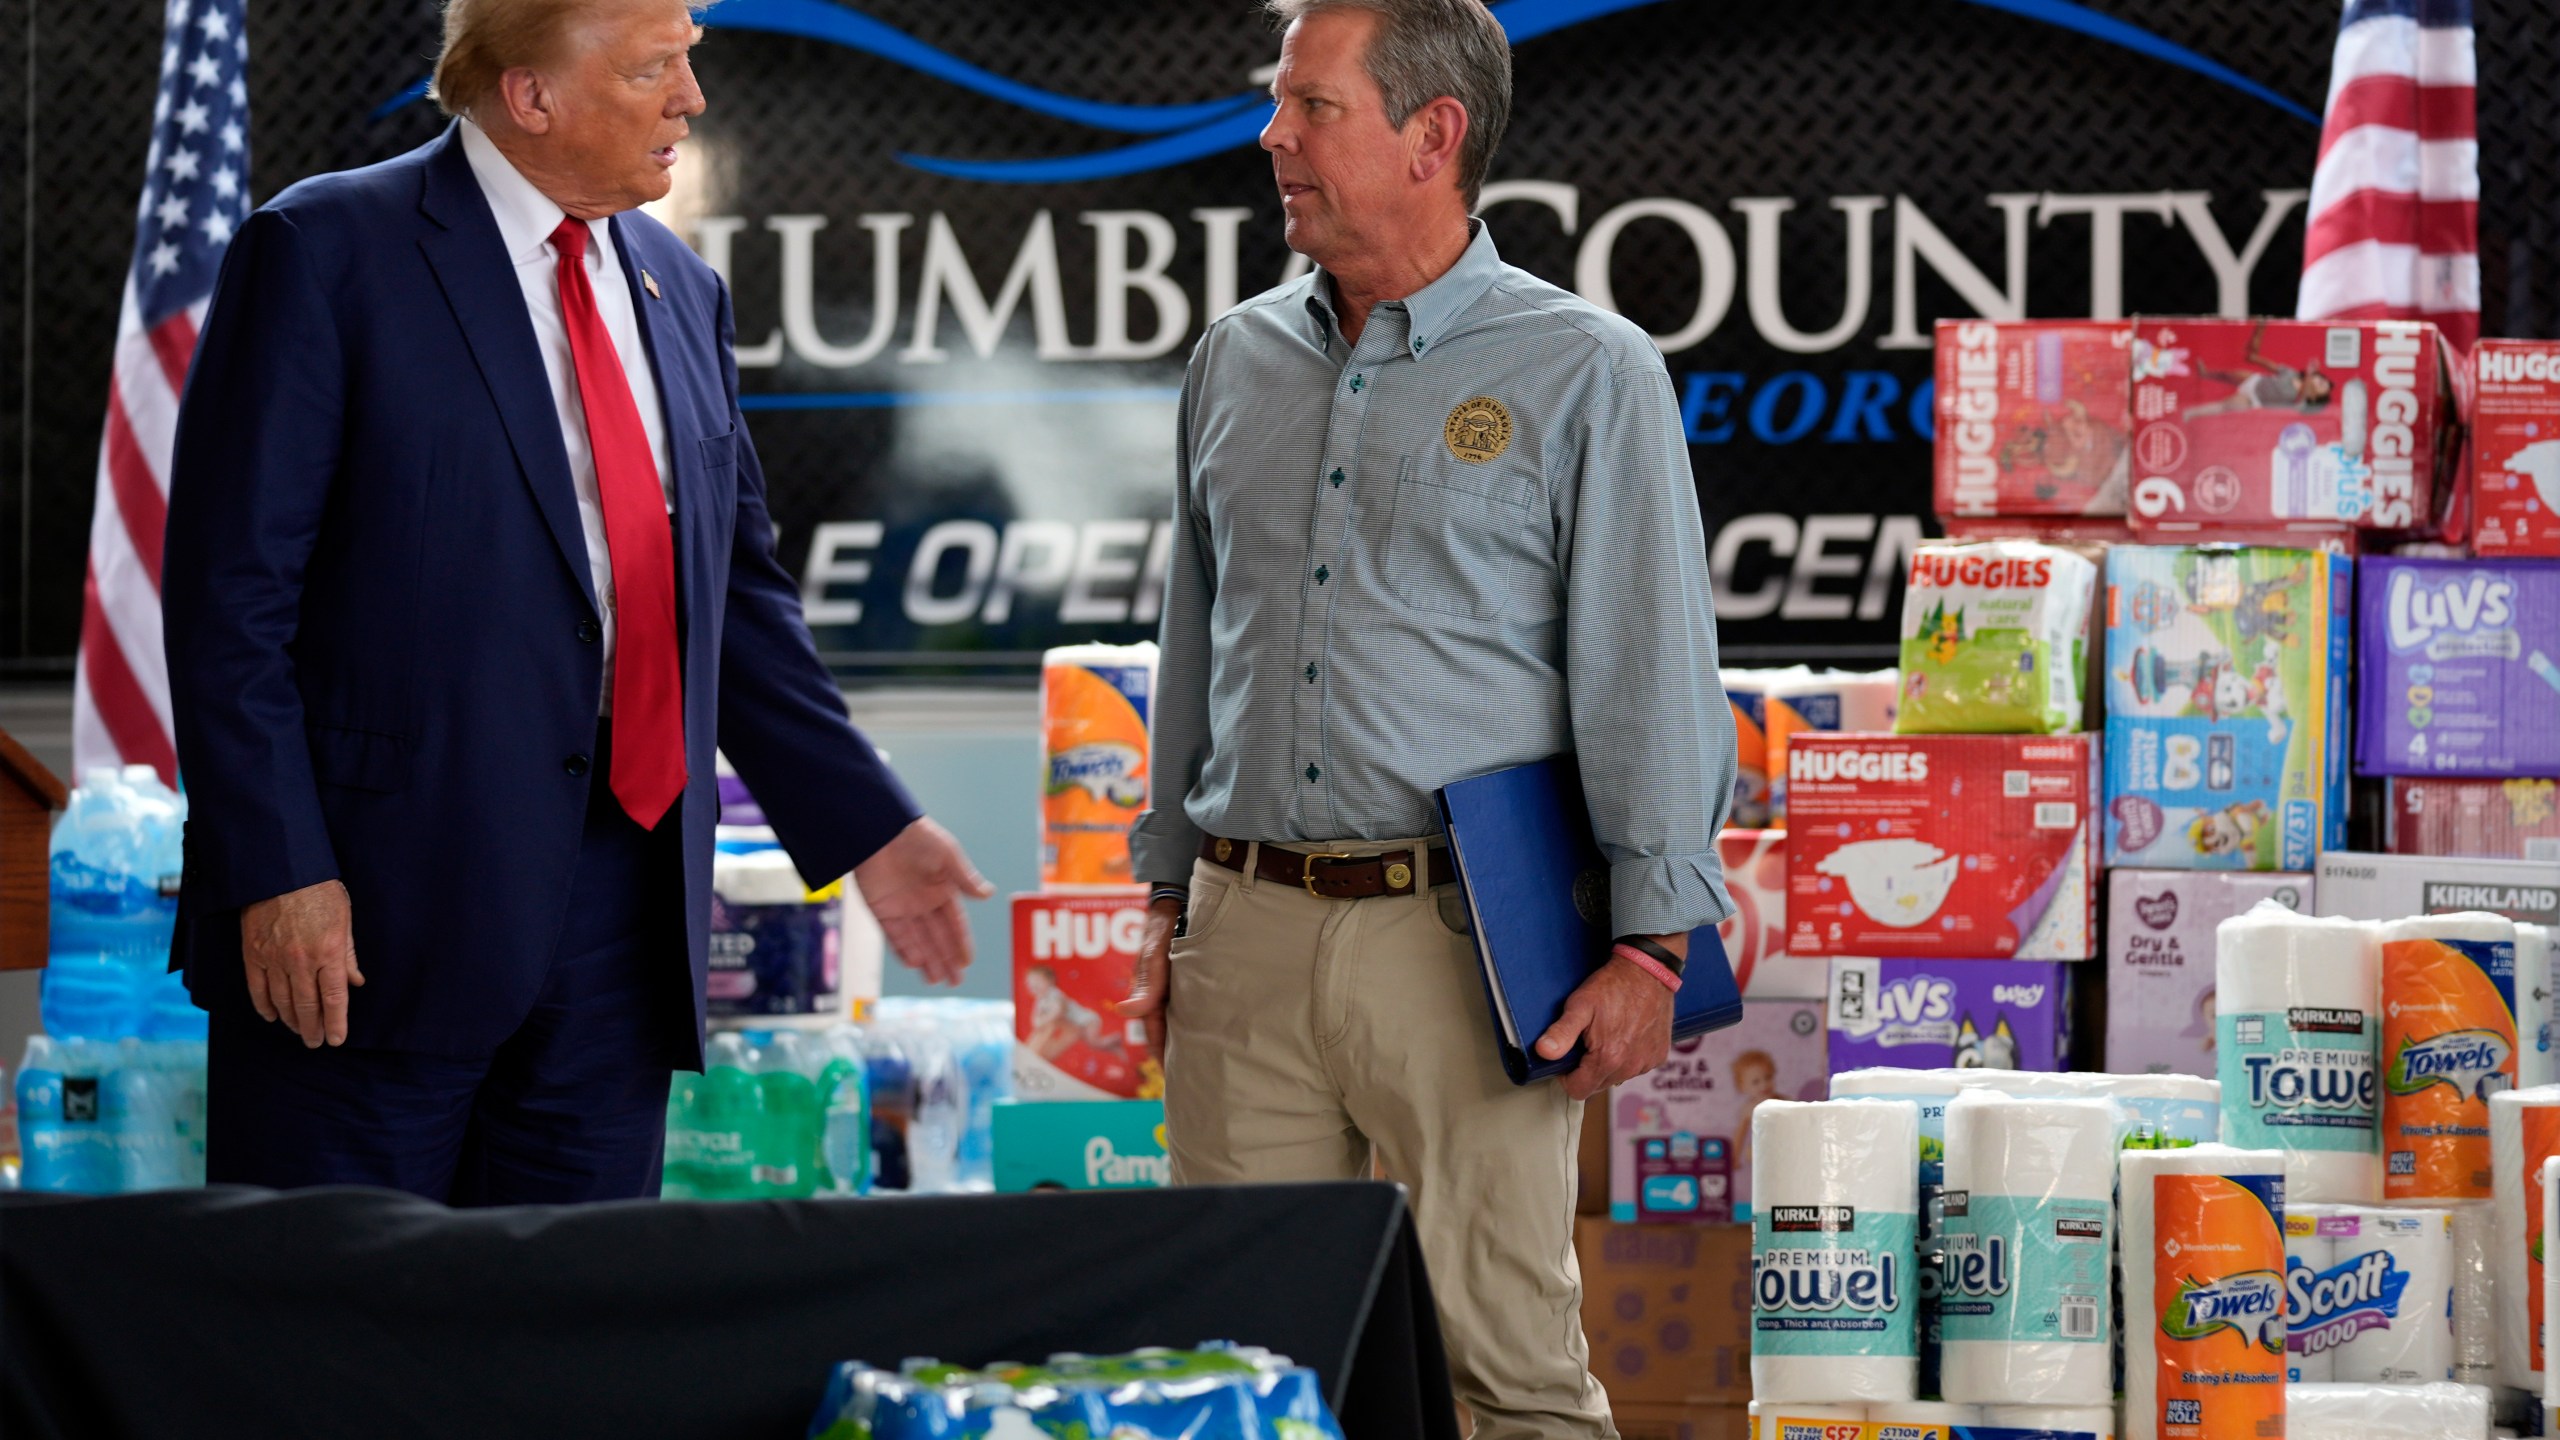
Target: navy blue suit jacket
381,625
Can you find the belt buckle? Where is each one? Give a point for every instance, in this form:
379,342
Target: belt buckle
1307,873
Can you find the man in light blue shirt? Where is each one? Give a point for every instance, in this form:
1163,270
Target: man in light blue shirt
1434,518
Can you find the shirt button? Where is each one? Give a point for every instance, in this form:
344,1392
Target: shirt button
1336,478
589,632
1322,574
576,765
1357,381
1417,344
1311,674
1312,774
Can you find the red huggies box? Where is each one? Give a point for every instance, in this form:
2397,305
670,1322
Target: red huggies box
2515,448
2033,416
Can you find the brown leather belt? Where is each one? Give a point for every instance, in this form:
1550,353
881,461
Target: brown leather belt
1331,875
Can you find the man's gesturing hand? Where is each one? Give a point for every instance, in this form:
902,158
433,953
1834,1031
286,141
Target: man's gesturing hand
1623,1016
1151,987
914,886
300,949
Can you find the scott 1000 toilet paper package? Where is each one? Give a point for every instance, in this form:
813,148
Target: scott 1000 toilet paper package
2296,1037
2203,1270
1993,639
2439,1411
1966,846
2448,1044
1833,1304
2032,416
2024,1293
2369,1293
2515,448
2160,959
2458,675
2226,706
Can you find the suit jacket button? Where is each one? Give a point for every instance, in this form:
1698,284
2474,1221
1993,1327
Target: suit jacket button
590,632
575,765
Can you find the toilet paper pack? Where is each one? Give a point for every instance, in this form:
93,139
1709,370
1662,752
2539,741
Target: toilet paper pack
2033,416
2226,706
1755,934
1942,845
2459,674
2511,819
2515,448
1680,1134
2315,425
2160,955
1994,639
2368,1293
1949,1014
2524,1137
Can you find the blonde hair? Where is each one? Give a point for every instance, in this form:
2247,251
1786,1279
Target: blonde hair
483,39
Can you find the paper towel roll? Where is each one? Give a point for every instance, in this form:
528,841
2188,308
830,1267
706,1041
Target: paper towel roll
2096,1421
2308,1253
2295,1047
2535,1064
1094,703
2203,1252
2023,1299
1833,1237
2376,1309
2524,1131
2475,1321
2386,1412
1798,1420
2448,1043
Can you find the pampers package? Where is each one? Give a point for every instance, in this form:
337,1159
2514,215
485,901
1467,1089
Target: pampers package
2515,448
2458,670
2281,424
1073,956
1968,846
1680,1135
2514,819
1217,1392
2160,960
1993,639
2033,416
1094,703
1949,1014
2226,706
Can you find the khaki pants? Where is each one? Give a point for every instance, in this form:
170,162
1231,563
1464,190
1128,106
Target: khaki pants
1304,1032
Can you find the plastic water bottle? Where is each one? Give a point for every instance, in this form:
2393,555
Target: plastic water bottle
890,1081
844,1089
66,1146
787,1144
986,1058
728,1117
138,1105
941,1116
115,863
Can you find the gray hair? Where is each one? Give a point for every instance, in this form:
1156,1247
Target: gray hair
1425,49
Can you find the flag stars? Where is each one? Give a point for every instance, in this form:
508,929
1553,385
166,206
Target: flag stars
206,70
226,182
217,228
193,118
169,58
215,25
238,92
160,109
177,14
184,164
172,212
232,138
164,259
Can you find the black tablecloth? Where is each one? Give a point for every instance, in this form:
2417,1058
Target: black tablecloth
231,1311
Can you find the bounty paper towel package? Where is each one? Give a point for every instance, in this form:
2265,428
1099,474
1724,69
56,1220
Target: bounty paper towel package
2282,424
2226,706
1680,1135
1833,1298
2203,1285
2515,448
1949,1014
1094,703
2033,416
1755,934
2160,955
1993,639
2458,674
1805,702
1073,956
1942,845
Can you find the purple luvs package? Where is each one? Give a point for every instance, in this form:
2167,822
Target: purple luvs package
1950,1014
2160,957
2460,667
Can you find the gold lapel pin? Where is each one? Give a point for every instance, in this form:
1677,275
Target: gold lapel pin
650,282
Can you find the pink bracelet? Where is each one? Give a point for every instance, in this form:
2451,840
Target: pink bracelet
1649,965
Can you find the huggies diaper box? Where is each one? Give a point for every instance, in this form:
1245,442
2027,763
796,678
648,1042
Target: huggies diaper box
2458,667
1073,956
1949,1015
2226,706
2033,416
2495,819
1680,1135
2160,961
1972,846
2291,424
2515,448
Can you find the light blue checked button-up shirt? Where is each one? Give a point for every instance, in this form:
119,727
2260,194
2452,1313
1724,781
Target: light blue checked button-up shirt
1467,542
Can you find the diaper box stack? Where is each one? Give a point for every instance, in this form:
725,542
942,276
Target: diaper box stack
1680,1135
2033,417
2226,727
1755,934
1073,956
2458,670
2515,448
1962,846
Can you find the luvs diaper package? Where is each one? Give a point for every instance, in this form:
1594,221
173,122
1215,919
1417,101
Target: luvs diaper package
1971,846
1992,639
2033,416
2515,448
2226,706
1949,1014
2459,674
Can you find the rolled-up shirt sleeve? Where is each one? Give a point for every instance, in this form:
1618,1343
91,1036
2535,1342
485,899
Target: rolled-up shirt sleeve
1163,841
1650,724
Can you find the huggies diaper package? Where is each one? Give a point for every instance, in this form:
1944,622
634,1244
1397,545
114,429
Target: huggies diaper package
2515,448
2226,706
2515,819
2033,416
1993,638
2458,670
1073,956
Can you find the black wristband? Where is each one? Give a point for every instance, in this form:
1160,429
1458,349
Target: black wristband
1661,953
1179,895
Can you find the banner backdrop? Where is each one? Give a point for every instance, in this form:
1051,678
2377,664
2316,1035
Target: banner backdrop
973,241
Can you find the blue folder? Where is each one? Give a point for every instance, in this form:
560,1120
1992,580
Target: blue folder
1537,892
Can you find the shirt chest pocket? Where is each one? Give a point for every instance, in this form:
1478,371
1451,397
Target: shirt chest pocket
1471,540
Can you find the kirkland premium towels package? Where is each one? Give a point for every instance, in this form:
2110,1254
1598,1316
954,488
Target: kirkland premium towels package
2160,956
2458,672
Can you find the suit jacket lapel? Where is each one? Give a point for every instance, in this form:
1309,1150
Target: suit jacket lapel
479,282
669,364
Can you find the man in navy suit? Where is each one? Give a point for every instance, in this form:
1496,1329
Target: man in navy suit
468,569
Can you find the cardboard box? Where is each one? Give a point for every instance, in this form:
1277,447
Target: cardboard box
1080,1145
1667,1309
1943,845
2226,706
1680,1422
1680,1136
2160,961
2492,819
1072,957
1755,934
1950,1014
2515,448
2033,416
2459,674
2287,424
2363,886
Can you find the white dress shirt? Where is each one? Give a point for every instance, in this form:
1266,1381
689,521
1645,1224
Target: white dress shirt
526,217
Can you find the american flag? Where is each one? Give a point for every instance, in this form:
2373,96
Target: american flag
2394,225
195,192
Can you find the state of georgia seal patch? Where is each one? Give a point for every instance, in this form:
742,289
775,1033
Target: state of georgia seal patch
1478,430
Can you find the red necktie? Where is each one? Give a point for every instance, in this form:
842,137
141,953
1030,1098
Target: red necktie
648,690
